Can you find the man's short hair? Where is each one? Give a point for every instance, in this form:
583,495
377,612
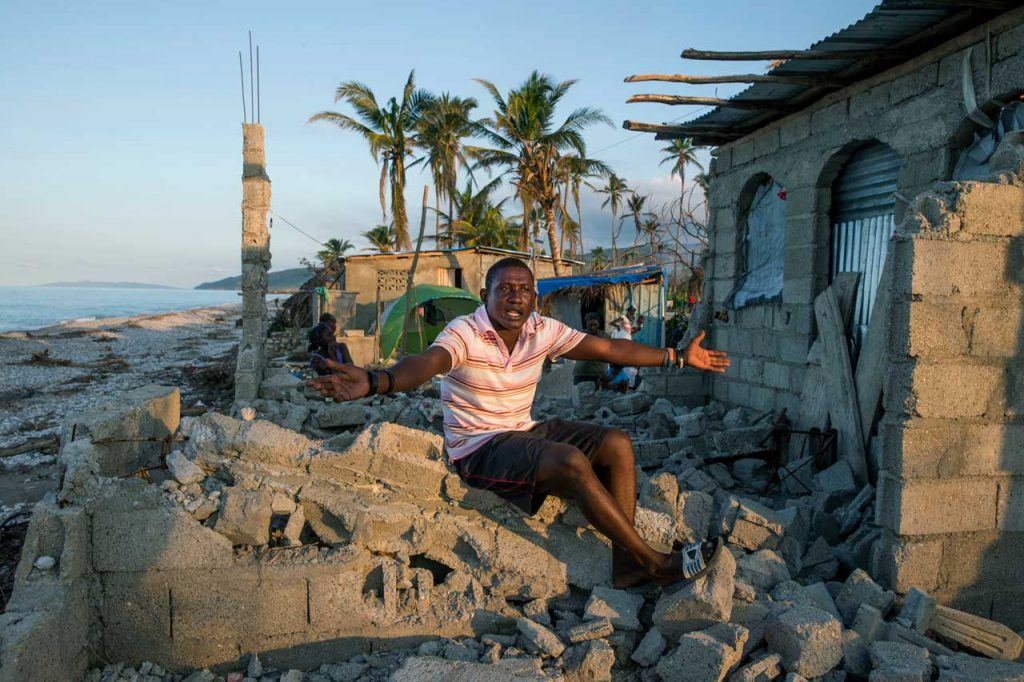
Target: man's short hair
509,262
327,318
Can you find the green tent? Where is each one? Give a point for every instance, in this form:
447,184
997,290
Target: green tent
440,305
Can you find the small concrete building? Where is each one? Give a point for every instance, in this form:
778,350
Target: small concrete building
381,278
891,149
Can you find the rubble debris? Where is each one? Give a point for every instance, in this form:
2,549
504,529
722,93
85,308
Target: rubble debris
706,655
619,606
598,628
648,652
699,604
763,669
980,635
896,661
183,470
808,639
538,639
591,660
245,516
860,589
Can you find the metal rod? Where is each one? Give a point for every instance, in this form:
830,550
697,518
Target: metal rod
252,94
241,77
258,103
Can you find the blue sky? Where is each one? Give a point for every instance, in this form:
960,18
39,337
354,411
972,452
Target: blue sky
120,131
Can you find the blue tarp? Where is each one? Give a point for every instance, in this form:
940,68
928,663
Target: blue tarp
635,274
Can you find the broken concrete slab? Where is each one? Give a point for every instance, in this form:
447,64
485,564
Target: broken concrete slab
245,516
590,661
763,669
859,589
695,510
964,668
977,634
660,493
620,607
896,661
837,479
431,669
707,655
699,604
340,415
764,569
184,470
538,639
808,639
598,628
648,652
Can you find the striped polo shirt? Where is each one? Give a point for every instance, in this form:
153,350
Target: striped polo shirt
488,390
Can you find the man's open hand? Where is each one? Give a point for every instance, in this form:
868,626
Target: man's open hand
702,358
347,383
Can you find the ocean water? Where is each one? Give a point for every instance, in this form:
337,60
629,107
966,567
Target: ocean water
33,307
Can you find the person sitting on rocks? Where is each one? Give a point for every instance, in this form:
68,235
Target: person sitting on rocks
590,370
491,362
326,353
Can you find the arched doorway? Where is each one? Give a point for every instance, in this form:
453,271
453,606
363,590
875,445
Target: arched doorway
863,217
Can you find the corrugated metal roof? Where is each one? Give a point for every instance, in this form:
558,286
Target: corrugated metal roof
897,30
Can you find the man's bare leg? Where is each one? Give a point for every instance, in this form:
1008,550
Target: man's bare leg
566,472
615,466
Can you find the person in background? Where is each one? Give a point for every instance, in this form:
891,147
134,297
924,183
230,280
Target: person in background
624,327
590,370
327,355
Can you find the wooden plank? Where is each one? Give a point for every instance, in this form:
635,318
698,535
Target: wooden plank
871,363
772,55
842,392
675,100
734,78
814,398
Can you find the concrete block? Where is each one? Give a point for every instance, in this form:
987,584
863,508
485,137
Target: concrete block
964,668
245,516
943,268
827,119
147,413
989,209
956,390
708,655
794,128
591,660
619,606
742,152
925,507
763,669
422,668
914,83
766,142
808,640
597,628
699,604
903,563
648,652
538,638
869,102
764,569
897,661
859,589
163,539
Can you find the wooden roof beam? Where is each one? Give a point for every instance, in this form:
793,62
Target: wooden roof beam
676,100
738,78
772,55
679,129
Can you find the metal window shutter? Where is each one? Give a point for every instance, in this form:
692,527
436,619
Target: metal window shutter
863,218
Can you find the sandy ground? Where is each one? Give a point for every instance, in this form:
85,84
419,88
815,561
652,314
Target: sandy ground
48,373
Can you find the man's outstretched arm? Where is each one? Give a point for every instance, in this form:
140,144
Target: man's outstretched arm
633,354
350,382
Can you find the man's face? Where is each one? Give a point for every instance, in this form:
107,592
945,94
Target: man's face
592,326
511,298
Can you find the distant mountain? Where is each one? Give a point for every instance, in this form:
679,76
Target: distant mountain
86,284
282,280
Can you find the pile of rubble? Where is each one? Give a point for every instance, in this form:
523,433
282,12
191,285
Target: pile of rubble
453,583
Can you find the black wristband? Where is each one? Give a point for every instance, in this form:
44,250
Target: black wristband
391,382
372,376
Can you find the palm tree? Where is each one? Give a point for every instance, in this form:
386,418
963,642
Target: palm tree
598,261
650,228
616,191
636,207
681,152
333,250
527,142
381,238
443,124
702,181
389,131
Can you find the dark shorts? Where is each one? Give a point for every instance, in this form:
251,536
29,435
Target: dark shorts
507,464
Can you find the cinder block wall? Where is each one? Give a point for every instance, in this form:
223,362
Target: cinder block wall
951,487
917,109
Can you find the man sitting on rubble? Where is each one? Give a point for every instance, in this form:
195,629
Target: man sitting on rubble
491,361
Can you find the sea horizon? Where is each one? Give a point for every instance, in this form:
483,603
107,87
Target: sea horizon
24,308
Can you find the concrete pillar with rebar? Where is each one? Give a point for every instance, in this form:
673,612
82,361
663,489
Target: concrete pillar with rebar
255,263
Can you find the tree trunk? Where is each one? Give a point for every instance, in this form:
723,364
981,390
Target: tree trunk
437,218
556,248
524,237
615,249
410,279
398,207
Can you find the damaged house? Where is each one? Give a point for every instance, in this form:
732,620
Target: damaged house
867,218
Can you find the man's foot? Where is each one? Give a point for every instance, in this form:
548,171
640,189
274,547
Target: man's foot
627,571
678,567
